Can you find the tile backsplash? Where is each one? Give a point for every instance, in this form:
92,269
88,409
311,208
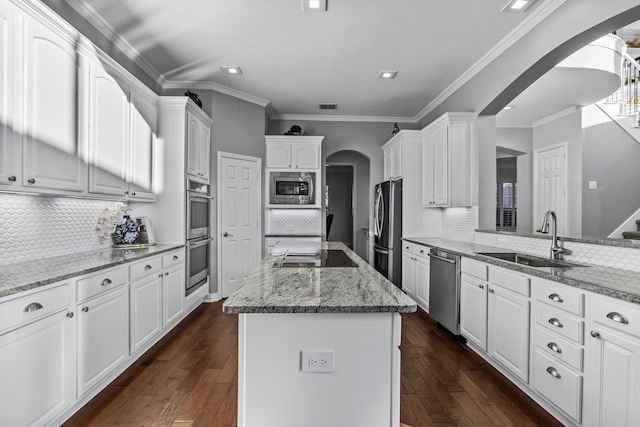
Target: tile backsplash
33,227
294,221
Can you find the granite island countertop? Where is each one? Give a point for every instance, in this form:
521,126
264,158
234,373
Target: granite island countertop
359,289
613,282
22,276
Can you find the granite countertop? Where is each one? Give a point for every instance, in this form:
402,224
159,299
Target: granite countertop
613,282
22,276
294,235
360,289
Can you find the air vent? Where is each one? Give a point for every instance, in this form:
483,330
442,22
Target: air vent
328,106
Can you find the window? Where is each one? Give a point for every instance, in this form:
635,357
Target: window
506,206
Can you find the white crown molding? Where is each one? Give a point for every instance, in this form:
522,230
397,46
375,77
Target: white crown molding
554,116
537,16
218,88
335,118
99,23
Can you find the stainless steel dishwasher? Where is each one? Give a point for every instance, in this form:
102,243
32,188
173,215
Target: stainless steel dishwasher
444,290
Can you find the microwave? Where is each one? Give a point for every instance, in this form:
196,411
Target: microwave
292,188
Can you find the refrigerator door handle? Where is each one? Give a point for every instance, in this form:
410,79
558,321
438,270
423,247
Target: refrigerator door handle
380,213
380,250
376,220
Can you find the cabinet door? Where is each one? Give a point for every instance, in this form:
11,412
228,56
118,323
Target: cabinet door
613,375
37,365
305,156
193,144
508,334
422,282
387,163
108,133
279,155
396,160
173,294
473,310
142,150
205,152
427,170
52,155
103,337
9,149
145,310
408,273
441,167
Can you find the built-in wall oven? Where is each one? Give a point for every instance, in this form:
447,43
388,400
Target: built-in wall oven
198,235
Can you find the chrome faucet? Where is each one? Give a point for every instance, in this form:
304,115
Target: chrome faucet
556,251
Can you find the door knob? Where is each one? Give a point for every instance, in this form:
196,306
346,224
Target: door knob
227,234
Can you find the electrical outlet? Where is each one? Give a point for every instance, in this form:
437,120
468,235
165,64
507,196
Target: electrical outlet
317,361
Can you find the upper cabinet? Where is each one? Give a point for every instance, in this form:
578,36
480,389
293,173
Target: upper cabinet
393,158
447,154
9,152
293,152
198,146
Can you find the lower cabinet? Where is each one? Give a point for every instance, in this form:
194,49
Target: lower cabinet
103,336
415,273
37,366
473,310
173,288
145,302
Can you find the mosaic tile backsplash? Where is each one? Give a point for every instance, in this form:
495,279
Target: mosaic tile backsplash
33,227
294,221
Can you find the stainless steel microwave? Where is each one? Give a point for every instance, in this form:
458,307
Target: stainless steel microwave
292,188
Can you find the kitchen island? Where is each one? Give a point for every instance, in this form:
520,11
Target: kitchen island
318,345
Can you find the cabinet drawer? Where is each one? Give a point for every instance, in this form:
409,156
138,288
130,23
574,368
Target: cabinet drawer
475,268
558,347
421,251
103,281
559,384
619,315
509,280
172,258
145,267
560,322
23,310
558,296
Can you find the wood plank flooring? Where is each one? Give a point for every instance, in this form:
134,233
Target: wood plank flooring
189,379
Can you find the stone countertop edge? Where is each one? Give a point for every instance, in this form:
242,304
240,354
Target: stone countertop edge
27,275
358,289
613,282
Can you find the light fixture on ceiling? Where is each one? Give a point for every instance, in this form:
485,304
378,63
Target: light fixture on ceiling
517,5
387,75
508,107
314,5
232,70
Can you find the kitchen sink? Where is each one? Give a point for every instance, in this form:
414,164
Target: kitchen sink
530,260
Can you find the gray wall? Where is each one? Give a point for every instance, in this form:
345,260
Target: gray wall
486,166
611,157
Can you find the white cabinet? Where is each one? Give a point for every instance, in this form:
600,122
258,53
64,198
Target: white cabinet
473,309
293,152
37,358
173,286
447,167
393,158
140,172
9,144
48,104
415,273
145,302
198,146
103,336
612,370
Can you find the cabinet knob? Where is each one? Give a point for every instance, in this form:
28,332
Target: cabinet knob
554,372
133,194
85,309
166,274
595,334
491,291
70,314
555,347
12,178
556,298
31,181
160,275
32,307
481,286
126,193
555,322
617,317
422,251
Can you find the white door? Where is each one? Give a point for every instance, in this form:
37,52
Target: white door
239,227
551,186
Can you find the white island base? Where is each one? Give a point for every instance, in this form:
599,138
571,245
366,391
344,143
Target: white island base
363,390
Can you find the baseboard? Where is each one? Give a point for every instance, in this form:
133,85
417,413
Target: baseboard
212,297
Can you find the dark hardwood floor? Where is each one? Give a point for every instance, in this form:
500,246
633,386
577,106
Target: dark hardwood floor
190,379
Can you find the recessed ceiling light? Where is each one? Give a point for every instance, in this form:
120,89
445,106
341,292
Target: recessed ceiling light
314,5
517,5
232,70
387,74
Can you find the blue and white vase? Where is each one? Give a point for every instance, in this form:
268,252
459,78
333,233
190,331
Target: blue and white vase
127,231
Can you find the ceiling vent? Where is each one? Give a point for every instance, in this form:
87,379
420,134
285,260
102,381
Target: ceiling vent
327,106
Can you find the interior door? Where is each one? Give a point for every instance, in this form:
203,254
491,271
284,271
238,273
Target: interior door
239,220
551,186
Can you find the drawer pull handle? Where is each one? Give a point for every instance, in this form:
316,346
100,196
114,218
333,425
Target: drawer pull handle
147,267
617,317
595,334
175,257
32,307
555,347
85,309
555,322
556,298
554,372
106,282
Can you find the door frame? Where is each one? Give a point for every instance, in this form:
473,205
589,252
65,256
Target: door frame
536,202
258,162
354,168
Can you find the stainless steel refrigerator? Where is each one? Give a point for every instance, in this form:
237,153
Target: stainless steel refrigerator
387,230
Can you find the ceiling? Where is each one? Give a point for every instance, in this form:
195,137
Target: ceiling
294,60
